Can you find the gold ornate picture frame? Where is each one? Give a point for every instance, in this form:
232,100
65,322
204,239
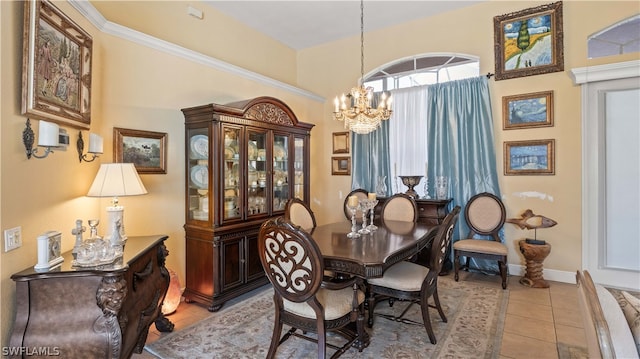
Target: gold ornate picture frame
527,110
534,157
341,166
147,150
56,67
529,42
340,142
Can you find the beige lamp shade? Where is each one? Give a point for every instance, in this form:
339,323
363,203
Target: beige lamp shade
117,179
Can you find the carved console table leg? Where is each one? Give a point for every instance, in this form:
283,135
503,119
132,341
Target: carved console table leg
534,255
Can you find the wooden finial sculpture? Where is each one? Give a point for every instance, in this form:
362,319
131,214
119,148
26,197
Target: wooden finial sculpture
534,251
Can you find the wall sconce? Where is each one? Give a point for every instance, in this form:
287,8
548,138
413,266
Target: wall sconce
95,147
48,137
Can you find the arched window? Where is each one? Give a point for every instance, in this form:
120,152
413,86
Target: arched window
620,38
424,69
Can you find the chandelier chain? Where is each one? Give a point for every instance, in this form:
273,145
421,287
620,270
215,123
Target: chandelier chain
361,42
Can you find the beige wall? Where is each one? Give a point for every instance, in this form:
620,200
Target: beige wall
141,88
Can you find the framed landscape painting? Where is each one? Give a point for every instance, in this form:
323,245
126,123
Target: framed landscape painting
341,166
56,67
145,149
529,42
527,110
535,157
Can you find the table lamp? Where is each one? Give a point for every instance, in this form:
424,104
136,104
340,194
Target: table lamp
114,180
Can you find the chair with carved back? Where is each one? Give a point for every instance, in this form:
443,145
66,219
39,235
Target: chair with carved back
294,265
407,281
485,215
299,213
361,194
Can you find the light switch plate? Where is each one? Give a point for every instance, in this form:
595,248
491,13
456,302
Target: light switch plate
12,238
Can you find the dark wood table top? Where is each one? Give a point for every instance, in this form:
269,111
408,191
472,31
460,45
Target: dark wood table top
369,255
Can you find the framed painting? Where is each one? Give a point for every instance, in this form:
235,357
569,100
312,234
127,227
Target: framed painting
341,142
341,166
529,42
527,110
534,157
145,149
56,67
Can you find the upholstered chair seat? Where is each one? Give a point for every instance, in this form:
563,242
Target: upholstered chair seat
336,304
480,246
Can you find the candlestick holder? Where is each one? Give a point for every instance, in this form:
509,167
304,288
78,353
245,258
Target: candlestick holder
364,207
353,233
372,205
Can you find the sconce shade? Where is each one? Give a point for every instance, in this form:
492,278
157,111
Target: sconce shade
117,179
95,143
48,134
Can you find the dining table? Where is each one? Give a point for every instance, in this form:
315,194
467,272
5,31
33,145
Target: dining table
369,255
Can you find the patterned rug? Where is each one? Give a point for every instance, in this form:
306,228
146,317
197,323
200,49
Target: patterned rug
475,316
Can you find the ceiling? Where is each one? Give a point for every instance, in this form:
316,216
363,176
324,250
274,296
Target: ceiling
306,23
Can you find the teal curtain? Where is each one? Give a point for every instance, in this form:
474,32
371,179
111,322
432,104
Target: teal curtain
370,165
461,145
370,160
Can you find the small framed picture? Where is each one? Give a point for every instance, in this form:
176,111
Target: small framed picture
534,157
341,166
527,110
145,149
341,142
529,42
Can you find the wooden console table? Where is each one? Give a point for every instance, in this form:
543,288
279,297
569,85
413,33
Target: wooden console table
93,313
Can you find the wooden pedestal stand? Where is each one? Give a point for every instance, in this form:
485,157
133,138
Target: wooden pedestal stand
534,255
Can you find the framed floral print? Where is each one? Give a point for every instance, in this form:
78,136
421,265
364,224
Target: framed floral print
56,66
529,42
527,110
534,157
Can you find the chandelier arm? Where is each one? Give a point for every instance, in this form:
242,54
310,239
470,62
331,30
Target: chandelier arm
361,42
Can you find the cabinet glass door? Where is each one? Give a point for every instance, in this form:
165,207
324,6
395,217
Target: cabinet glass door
231,173
280,180
257,173
299,170
198,172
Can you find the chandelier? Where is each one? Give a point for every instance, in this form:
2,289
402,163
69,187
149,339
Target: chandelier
357,113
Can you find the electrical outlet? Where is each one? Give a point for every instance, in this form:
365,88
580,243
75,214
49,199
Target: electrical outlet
12,238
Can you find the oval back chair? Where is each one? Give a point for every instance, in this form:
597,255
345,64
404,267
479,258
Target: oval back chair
485,215
399,207
413,282
300,214
361,194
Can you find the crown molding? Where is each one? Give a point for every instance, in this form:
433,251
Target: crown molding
95,17
618,70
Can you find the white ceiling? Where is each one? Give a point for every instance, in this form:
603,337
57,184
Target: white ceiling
306,23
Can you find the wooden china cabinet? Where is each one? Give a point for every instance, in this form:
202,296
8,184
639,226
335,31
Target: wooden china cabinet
244,160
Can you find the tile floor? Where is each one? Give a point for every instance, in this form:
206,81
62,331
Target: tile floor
539,322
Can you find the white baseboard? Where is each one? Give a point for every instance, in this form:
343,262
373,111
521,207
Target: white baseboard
548,274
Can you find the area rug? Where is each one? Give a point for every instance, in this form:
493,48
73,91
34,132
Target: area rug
475,316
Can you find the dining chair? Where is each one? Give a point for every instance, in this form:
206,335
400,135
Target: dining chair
361,194
407,281
299,213
294,265
399,207
485,215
